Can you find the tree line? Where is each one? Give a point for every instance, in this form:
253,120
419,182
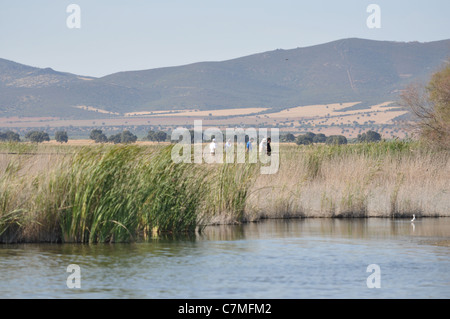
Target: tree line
311,138
160,136
126,137
33,136
97,135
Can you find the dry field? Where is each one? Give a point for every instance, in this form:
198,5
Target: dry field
93,109
224,112
325,118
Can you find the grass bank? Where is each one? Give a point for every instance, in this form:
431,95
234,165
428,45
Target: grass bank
112,193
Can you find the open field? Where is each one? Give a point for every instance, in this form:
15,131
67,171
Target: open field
86,142
198,113
93,109
330,119
98,193
153,112
310,110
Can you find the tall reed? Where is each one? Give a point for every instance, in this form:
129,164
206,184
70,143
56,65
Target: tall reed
120,193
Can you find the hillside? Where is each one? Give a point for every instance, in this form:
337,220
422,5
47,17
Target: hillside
341,71
30,91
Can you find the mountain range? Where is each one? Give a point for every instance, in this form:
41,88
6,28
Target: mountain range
340,71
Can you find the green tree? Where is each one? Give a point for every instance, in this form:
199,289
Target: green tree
319,138
431,107
289,137
369,136
128,137
37,136
9,136
151,136
115,138
304,139
310,135
98,136
61,136
161,136
336,140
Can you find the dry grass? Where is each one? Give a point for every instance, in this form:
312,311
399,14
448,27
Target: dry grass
44,188
333,114
311,183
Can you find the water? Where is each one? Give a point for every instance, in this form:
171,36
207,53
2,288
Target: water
307,258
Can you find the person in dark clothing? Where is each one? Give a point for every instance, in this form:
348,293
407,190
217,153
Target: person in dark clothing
269,149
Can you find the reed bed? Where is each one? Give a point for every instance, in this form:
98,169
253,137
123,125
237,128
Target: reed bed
121,193
387,179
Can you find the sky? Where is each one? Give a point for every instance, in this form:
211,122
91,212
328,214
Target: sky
144,34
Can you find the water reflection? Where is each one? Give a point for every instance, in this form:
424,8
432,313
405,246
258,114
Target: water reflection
331,227
297,258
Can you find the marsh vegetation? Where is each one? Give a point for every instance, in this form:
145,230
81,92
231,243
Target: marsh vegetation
121,193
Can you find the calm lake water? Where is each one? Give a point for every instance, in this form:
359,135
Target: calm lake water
305,258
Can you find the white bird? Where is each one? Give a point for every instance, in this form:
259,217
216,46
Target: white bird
414,218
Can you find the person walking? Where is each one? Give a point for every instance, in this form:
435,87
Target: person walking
228,145
263,146
268,147
212,147
249,145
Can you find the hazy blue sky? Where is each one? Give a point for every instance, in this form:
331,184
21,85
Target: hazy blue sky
142,34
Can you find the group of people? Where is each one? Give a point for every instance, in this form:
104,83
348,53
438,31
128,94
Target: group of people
264,146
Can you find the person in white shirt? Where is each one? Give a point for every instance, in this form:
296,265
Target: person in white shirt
228,145
263,146
212,147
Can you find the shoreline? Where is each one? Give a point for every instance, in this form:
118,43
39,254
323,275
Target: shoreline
215,227
116,193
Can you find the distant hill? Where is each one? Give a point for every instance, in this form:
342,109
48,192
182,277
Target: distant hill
340,71
30,91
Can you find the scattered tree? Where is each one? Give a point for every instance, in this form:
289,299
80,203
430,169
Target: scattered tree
319,138
9,136
61,136
124,137
336,140
128,137
98,136
159,136
37,136
115,138
151,135
369,136
305,139
310,135
289,137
